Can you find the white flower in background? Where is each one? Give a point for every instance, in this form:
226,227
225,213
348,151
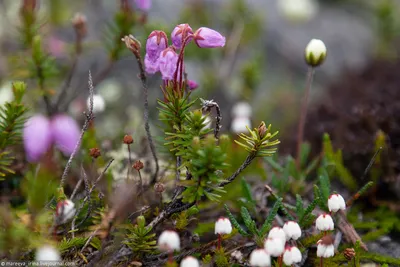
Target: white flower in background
237,255
241,109
239,125
291,256
324,222
336,202
190,261
325,247
6,93
65,210
277,232
99,105
315,52
169,240
274,246
110,90
298,10
260,258
292,230
223,226
47,253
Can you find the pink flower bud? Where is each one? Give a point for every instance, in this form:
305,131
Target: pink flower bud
65,132
37,137
180,33
156,43
192,84
208,38
167,63
143,5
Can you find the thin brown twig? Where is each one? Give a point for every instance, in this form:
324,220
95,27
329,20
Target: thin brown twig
207,105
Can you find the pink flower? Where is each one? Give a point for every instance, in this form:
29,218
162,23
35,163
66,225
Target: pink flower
150,65
208,38
65,132
167,63
143,5
37,137
180,33
156,43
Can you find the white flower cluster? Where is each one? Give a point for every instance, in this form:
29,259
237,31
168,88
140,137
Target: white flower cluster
275,246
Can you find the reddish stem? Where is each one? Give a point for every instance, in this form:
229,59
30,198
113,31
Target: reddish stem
219,241
179,65
170,256
280,261
321,262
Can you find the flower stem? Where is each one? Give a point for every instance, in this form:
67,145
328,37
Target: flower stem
219,241
280,260
130,161
321,262
303,114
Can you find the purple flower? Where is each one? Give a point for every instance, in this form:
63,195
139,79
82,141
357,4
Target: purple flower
208,38
179,34
192,84
65,132
156,42
151,66
143,5
167,62
37,137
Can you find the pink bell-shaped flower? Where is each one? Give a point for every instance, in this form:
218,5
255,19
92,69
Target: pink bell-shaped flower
37,137
65,132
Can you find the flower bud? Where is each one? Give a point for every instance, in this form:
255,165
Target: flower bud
180,33
260,258
143,5
315,52
349,253
277,232
94,152
292,230
190,261
18,89
325,247
274,246
168,62
336,202
208,38
324,222
65,132
99,104
223,226
159,187
79,23
169,240
192,84
262,130
132,43
37,137
47,253
291,256
128,139
138,165
65,210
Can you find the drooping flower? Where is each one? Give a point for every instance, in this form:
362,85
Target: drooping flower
65,210
241,109
143,5
208,38
223,226
99,104
298,10
274,246
65,133
325,247
315,53
190,261
167,63
180,33
277,232
239,124
169,241
324,222
291,256
155,44
47,253
260,258
151,66
37,137
292,230
336,202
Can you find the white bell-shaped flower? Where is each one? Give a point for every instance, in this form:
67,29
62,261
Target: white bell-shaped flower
291,256
274,246
223,226
292,230
169,240
277,232
260,258
99,105
190,261
336,202
65,210
325,247
47,253
324,222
